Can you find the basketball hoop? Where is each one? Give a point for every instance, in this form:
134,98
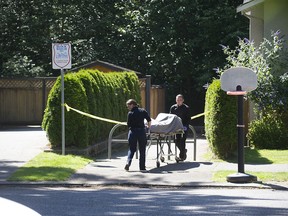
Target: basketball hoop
236,93
238,81
239,76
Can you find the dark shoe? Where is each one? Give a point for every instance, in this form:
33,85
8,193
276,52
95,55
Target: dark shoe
126,167
185,155
144,170
178,159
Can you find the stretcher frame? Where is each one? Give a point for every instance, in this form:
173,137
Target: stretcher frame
113,140
161,139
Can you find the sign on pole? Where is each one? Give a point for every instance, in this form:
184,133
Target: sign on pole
61,59
61,55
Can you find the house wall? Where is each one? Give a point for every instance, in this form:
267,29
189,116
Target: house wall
101,68
256,28
276,17
267,16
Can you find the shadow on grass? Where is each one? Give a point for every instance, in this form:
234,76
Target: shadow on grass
41,174
252,156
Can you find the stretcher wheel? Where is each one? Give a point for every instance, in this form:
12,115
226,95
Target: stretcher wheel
162,159
158,164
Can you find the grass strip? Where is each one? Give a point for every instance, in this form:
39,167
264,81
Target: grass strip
220,176
275,156
256,156
49,167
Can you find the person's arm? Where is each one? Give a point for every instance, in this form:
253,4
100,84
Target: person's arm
188,115
149,124
170,111
128,120
148,119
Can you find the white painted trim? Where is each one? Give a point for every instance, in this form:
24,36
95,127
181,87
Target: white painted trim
248,5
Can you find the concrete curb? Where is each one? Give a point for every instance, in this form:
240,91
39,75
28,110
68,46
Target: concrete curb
256,185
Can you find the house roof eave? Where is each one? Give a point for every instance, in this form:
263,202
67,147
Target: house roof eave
108,65
246,6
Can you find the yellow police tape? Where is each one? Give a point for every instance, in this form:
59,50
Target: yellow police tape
110,120
199,115
94,117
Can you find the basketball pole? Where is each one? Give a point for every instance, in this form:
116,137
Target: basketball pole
240,131
241,176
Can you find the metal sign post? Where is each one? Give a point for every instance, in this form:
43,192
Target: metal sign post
62,111
61,59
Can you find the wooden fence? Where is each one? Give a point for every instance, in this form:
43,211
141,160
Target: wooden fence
23,101
157,99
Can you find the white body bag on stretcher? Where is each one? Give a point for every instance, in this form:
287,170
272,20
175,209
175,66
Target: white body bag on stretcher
166,123
164,126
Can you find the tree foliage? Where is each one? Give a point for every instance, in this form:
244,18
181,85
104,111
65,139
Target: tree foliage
176,41
269,61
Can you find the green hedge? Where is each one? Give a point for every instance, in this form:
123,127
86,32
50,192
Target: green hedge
76,133
269,132
92,91
220,120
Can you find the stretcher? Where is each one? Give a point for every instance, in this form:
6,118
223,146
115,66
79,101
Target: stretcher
162,130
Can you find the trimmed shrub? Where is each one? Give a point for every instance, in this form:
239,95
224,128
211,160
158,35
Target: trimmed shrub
269,132
220,120
97,93
76,126
88,81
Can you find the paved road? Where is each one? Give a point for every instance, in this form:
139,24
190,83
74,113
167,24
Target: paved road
19,145
148,201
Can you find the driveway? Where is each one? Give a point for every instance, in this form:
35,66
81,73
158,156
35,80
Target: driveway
19,145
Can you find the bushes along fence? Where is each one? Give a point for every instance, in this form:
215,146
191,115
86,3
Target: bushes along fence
92,91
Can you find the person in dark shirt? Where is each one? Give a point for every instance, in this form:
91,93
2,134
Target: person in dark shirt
181,110
137,133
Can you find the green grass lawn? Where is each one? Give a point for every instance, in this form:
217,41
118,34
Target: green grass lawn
220,176
265,156
258,156
49,167
255,156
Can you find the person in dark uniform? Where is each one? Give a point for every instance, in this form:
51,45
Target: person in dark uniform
137,133
181,110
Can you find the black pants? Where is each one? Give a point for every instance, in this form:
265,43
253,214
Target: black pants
135,136
180,141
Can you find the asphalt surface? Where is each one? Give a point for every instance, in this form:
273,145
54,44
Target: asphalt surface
19,145
113,201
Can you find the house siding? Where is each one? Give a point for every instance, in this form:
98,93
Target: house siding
276,17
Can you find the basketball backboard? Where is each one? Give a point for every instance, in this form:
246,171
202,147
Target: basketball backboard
238,76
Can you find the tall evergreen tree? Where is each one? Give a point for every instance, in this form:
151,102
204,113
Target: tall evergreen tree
176,41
